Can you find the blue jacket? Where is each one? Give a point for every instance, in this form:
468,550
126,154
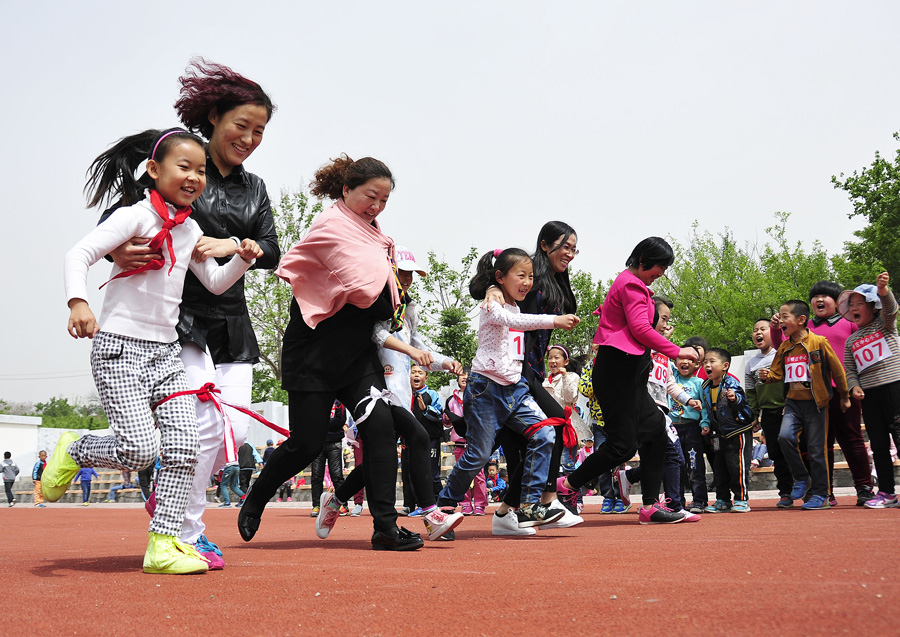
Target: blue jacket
693,387
38,470
86,474
430,417
729,418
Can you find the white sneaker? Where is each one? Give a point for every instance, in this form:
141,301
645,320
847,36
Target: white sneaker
509,525
568,519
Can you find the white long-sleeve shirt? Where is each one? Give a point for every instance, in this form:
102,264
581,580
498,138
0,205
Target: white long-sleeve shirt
145,305
397,379
496,343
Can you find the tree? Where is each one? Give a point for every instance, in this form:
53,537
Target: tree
875,195
60,413
269,298
588,296
446,313
720,288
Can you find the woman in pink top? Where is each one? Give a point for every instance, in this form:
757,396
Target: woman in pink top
632,420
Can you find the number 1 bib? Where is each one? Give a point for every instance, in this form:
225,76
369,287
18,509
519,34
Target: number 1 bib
869,350
517,345
796,368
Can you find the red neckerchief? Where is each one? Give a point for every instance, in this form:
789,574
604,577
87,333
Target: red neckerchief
163,236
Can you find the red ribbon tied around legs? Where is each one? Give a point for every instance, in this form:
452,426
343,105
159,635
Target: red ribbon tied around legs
570,438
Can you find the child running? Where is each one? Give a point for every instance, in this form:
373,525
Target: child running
496,393
872,360
135,352
632,420
807,364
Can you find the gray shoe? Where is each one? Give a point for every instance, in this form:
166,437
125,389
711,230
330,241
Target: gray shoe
357,511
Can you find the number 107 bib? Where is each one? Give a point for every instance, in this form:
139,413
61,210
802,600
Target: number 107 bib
869,350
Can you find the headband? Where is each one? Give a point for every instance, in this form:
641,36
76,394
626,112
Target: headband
164,135
560,347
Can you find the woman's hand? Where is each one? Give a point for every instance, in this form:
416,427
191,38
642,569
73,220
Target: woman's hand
493,295
208,247
566,321
690,353
249,250
134,253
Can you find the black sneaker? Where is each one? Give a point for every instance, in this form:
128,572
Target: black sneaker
537,514
863,495
396,540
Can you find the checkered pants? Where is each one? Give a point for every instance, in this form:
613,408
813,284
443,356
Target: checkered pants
131,375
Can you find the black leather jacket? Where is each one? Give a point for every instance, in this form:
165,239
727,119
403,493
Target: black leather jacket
232,206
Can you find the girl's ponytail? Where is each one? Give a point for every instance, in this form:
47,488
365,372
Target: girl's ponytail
111,174
489,264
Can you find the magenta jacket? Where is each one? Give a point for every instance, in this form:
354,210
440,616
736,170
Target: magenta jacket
626,321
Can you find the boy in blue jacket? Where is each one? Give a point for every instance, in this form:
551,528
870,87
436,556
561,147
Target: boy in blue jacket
689,420
730,414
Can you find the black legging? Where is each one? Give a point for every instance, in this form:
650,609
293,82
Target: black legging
416,441
514,445
310,414
632,421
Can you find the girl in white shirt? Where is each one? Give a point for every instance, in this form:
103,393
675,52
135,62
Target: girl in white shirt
497,395
134,356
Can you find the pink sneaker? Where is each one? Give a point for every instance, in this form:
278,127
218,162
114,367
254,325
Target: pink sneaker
289,499
468,509
479,510
439,523
278,500
659,513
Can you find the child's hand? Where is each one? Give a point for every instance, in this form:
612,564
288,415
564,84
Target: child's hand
693,403
845,404
134,253
493,295
421,401
690,353
249,250
566,321
882,282
764,374
454,367
775,323
731,395
756,426
81,320
857,393
704,431
422,358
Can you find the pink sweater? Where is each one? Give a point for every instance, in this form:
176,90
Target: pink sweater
626,322
342,259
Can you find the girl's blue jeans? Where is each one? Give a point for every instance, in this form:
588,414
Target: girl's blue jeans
488,406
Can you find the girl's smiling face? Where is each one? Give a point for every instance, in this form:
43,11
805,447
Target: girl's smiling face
368,200
556,360
181,175
861,312
561,253
517,282
823,305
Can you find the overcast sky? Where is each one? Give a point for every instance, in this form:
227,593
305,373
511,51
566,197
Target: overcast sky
623,119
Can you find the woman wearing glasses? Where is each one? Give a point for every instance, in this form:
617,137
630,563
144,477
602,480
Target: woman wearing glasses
551,294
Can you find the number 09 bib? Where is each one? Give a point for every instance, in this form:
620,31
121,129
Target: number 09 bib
659,374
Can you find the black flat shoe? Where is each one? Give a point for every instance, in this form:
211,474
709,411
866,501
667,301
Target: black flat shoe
247,525
396,540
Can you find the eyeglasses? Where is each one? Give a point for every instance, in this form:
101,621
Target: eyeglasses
570,251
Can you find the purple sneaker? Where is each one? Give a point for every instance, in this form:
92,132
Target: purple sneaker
883,500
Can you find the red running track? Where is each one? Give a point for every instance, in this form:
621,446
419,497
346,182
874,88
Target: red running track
73,570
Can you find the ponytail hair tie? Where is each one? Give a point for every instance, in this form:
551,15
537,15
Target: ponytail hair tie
497,252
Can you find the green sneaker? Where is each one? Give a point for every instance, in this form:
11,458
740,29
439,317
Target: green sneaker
167,555
60,469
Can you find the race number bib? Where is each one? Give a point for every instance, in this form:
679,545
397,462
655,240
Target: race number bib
796,369
869,350
659,373
517,345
